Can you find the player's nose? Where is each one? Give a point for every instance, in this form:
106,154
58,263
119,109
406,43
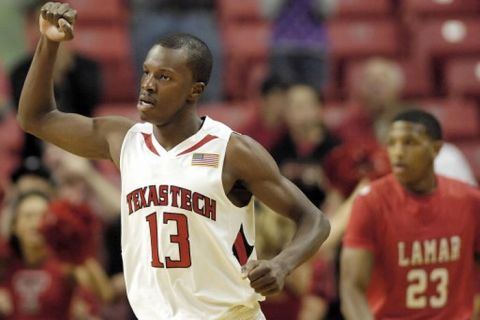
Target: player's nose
148,83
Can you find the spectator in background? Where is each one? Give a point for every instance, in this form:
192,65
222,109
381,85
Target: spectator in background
155,19
77,79
30,175
299,45
80,182
376,99
268,127
273,233
308,141
35,282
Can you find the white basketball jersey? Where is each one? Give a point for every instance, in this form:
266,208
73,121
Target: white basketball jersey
183,241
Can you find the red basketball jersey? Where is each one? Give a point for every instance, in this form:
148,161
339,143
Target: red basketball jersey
423,248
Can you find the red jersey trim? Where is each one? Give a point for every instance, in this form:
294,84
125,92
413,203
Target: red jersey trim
205,140
240,249
148,141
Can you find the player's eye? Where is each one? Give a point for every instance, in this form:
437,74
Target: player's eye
163,77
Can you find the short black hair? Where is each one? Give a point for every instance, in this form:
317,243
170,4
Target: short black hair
272,82
200,58
431,124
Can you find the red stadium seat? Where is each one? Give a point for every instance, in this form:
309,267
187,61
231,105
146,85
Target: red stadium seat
443,37
119,83
96,12
110,46
245,45
353,39
362,8
234,11
236,115
459,118
439,8
104,43
463,77
417,84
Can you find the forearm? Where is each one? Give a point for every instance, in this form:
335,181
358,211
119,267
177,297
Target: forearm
37,97
354,303
312,230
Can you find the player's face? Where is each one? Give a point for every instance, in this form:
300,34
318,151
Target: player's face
166,85
411,152
29,215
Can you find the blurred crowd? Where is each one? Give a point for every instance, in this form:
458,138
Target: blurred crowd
326,139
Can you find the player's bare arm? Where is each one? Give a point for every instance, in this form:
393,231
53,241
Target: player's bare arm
249,164
37,110
355,270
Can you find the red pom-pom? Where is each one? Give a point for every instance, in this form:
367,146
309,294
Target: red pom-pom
70,231
347,165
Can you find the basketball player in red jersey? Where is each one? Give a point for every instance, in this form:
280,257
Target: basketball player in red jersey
409,249
163,249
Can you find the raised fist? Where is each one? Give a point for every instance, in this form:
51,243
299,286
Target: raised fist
57,20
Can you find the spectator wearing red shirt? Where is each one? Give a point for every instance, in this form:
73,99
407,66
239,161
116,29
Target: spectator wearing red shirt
410,244
37,282
268,127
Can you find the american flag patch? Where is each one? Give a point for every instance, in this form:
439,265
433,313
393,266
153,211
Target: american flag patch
205,159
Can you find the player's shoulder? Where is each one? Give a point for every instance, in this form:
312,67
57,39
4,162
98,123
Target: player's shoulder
141,127
244,146
459,189
378,188
216,128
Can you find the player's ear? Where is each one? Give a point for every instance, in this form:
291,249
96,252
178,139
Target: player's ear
196,91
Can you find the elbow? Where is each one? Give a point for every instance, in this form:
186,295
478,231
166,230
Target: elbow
22,122
29,122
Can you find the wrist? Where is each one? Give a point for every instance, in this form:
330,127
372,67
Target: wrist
283,264
48,46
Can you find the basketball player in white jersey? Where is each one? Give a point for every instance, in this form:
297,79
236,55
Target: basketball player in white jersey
187,184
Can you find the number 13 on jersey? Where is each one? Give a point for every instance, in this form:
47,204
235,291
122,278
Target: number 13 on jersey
181,239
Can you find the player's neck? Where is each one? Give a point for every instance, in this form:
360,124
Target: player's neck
171,134
424,186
